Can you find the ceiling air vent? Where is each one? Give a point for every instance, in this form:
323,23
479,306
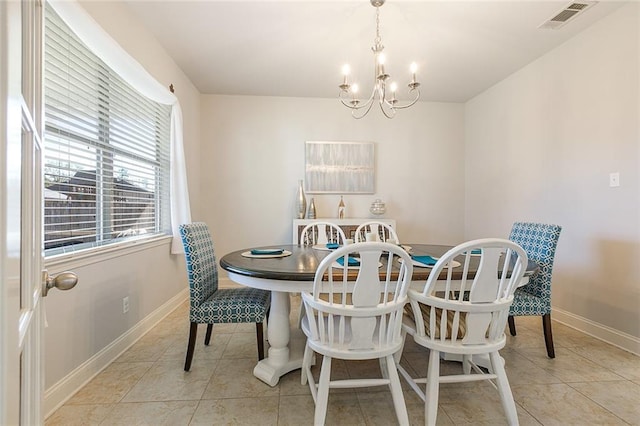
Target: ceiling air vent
566,14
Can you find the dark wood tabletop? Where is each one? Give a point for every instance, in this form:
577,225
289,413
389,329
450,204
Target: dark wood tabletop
304,260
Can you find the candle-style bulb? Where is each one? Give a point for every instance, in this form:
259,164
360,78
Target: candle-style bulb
413,67
354,89
394,87
346,70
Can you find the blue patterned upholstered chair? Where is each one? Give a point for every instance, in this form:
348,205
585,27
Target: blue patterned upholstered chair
539,241
209,304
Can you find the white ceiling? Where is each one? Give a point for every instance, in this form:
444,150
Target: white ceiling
297,48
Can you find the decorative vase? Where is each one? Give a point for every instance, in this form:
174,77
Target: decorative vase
301,201
341,209
311,213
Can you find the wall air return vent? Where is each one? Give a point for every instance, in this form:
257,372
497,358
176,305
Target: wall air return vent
567,14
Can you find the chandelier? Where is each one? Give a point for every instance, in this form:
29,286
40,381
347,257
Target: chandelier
387,101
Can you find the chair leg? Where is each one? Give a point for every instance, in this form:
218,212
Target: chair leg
548,336
432,389
193,332
504,389
323,392
466,364
207,336
306,366
512,325
396,391
260,338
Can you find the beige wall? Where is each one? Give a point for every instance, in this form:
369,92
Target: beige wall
540,146
253,156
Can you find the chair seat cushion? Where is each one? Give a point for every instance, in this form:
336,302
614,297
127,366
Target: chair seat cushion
232,305
426,317
525,303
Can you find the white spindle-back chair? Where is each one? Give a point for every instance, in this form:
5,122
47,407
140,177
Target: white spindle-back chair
466,315
355,313
382,231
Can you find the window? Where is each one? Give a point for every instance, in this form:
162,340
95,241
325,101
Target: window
106,161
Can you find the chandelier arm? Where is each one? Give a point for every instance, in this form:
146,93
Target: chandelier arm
358,117
411,103
384,110
348,103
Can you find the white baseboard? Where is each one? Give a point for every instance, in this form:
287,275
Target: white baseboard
599,331
59,393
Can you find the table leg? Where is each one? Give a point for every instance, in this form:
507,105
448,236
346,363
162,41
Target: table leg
285,352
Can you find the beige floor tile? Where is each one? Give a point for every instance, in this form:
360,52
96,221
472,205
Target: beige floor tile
233,378
248,327
526,338
343,409
237,411
619,361
167,381
296,410
178,349
480,403
243,345
79,415
621,398
571,367
520,370
174,324
161,413
112,384
560,404
289,384
149,348
378,409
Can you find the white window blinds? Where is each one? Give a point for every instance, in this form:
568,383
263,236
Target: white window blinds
106,165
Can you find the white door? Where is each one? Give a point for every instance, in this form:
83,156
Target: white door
21,386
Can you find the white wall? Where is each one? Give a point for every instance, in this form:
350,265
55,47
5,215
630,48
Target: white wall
89,318
253,156
540,146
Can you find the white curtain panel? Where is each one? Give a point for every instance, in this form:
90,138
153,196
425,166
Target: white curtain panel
105,47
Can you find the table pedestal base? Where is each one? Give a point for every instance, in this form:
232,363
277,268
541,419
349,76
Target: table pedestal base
286,346
269,370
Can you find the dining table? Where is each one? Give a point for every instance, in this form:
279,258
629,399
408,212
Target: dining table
289,269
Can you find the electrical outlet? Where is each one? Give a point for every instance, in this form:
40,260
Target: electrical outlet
125,305
614,179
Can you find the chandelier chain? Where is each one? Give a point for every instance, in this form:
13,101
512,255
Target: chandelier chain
378,39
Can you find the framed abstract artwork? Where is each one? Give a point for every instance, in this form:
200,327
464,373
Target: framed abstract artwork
339,167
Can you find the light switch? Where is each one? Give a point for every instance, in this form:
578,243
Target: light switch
614,179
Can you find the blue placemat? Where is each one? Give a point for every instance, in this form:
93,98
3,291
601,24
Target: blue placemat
332,246
476,251
351,262
425,260
267,251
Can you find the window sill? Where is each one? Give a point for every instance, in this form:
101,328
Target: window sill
66,261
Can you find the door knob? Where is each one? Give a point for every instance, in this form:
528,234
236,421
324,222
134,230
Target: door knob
63,281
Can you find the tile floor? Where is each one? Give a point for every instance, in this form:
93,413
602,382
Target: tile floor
589,382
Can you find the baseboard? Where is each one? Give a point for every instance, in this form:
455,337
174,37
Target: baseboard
59,393
610,335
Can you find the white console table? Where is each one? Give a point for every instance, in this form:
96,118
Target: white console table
348,225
